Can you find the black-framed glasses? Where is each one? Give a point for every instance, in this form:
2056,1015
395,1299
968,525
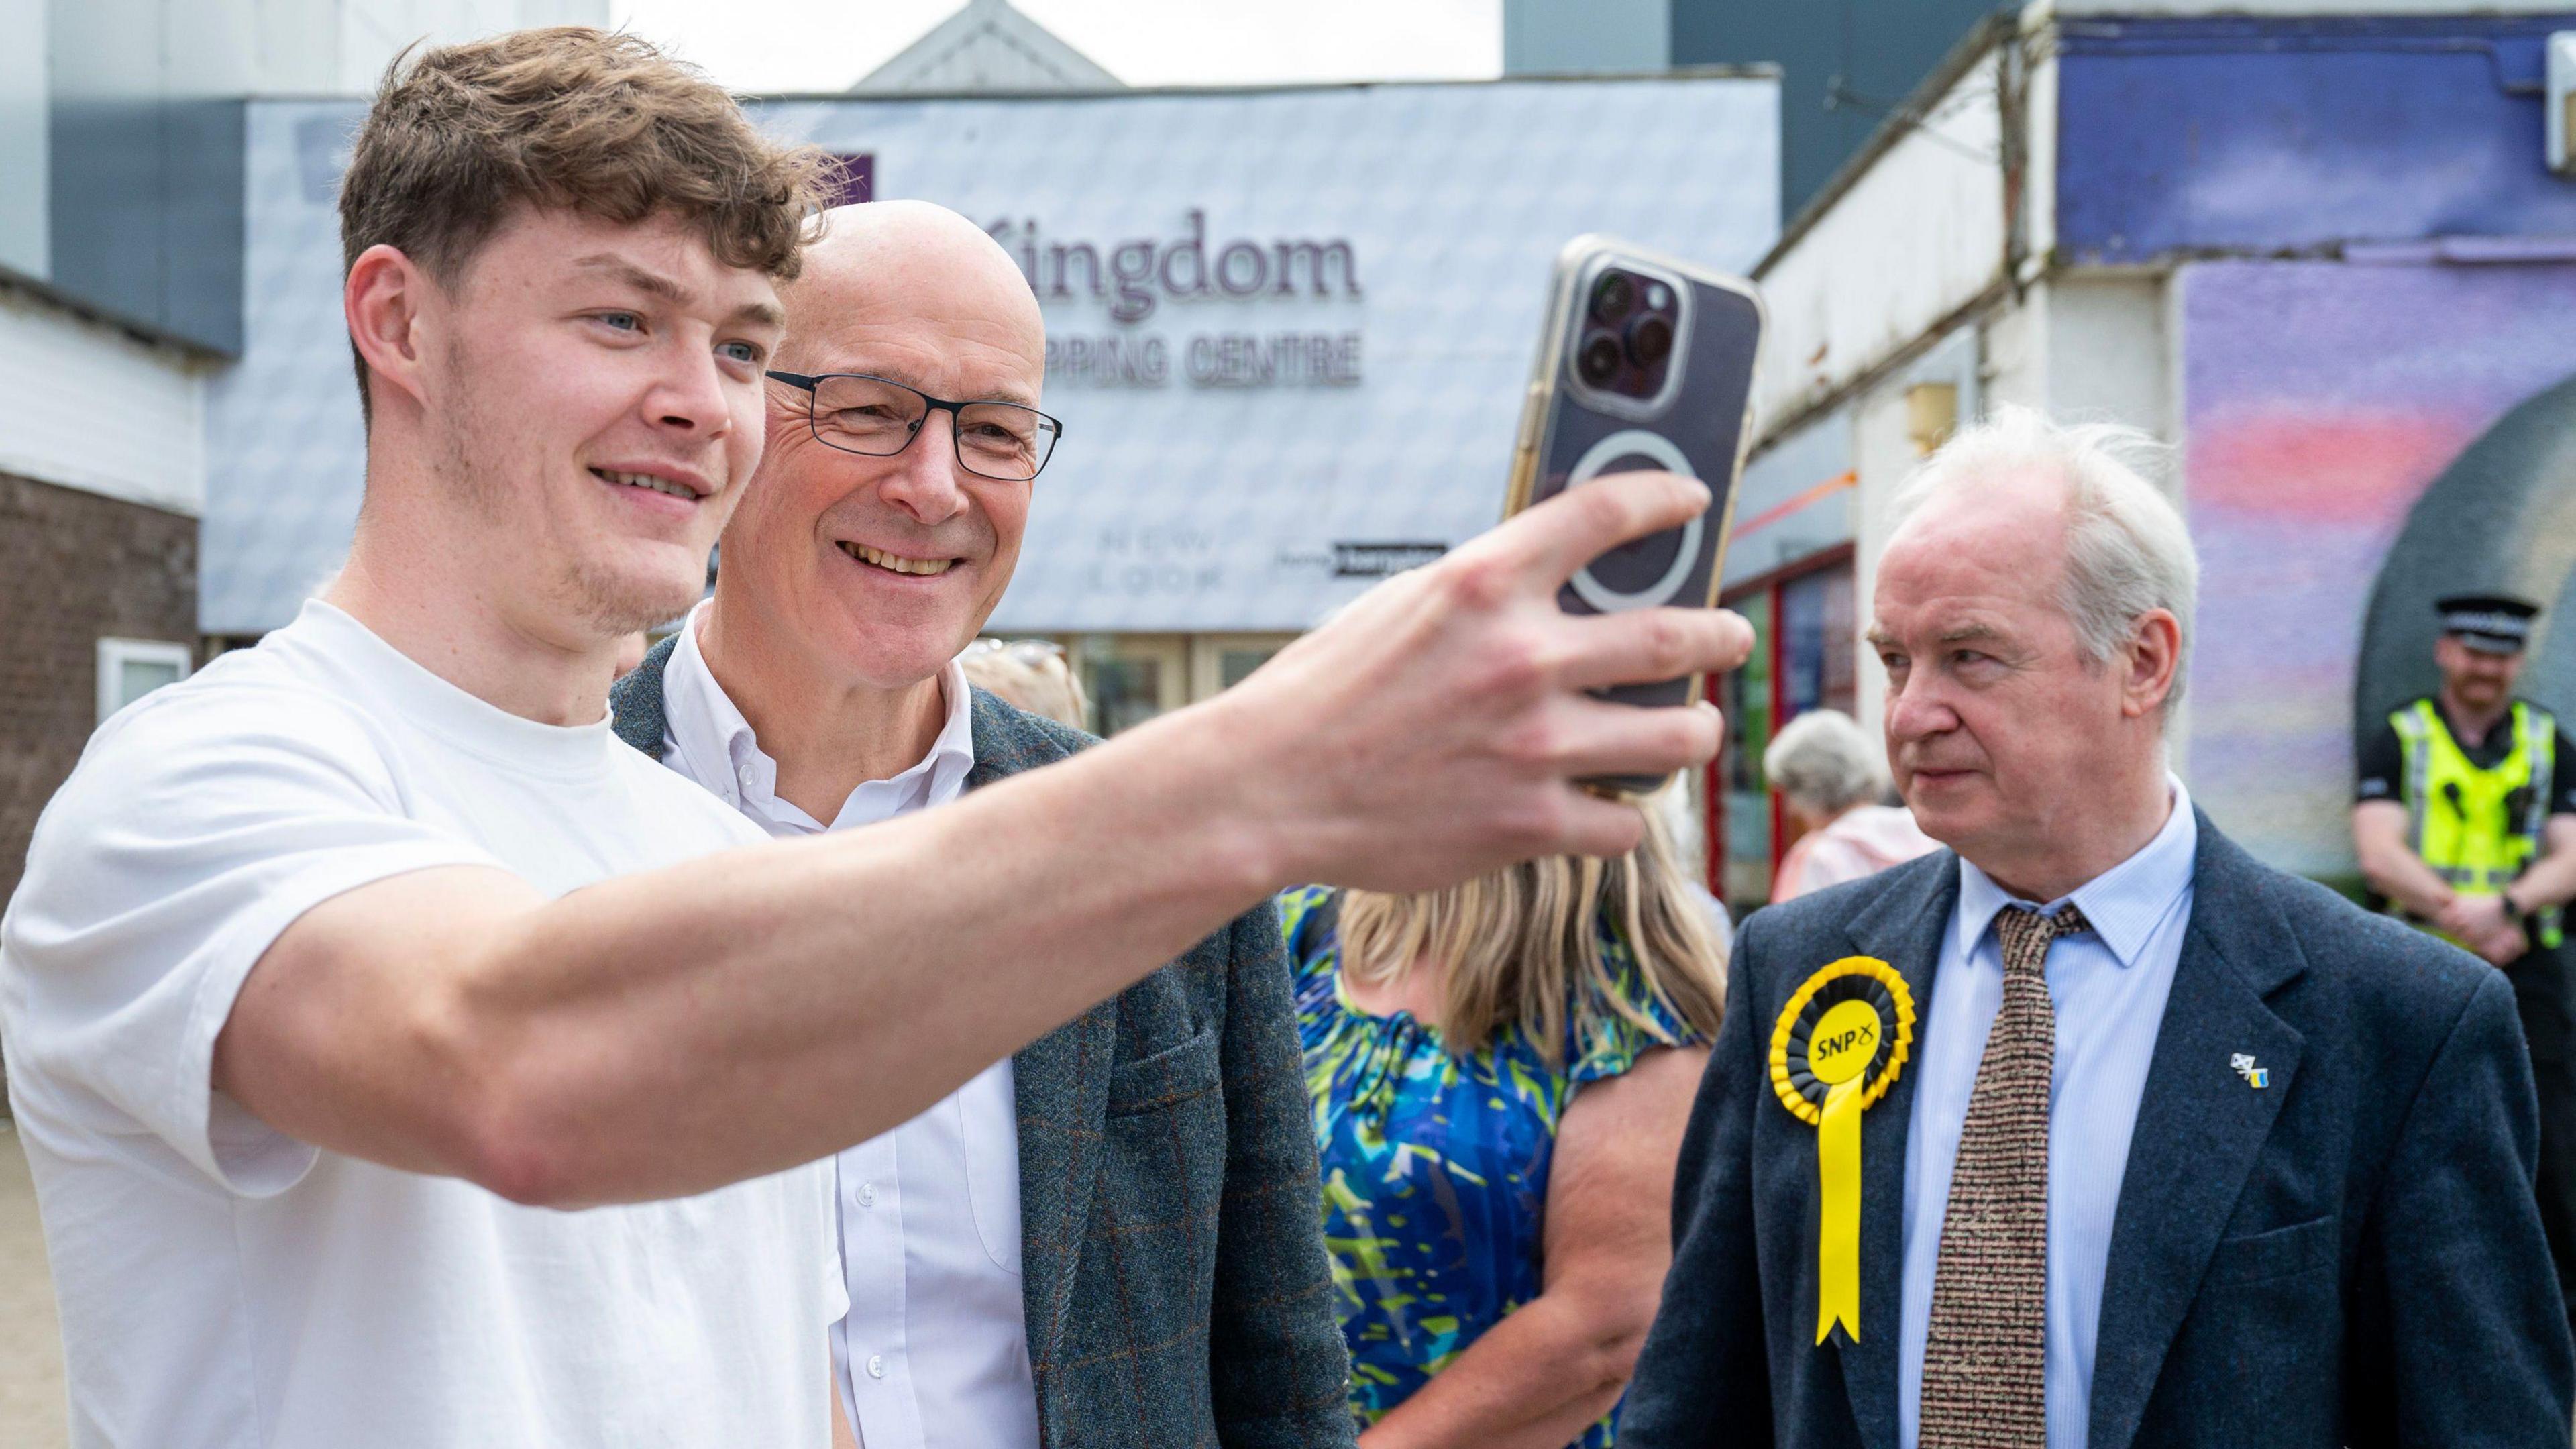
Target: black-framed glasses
878,417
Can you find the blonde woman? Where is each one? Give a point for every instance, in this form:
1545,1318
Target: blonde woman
1028,674
1501,1073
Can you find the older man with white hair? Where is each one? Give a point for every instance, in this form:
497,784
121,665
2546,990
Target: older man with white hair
2091,1130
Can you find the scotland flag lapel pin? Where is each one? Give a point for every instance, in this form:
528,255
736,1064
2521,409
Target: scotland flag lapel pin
2255,1077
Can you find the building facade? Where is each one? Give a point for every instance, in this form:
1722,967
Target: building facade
1846,66
123,130
1289,330
2324,258
102,476
1290,327
990,47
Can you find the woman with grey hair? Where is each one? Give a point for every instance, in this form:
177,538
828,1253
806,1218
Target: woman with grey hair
1832,778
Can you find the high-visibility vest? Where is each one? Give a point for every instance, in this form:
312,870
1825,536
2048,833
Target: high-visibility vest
2480,829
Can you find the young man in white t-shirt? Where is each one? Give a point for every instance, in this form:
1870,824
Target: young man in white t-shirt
405,1062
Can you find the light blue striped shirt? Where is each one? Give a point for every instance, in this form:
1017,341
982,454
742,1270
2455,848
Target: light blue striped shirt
2109,989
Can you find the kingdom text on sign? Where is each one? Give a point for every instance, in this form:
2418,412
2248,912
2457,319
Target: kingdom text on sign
1133,278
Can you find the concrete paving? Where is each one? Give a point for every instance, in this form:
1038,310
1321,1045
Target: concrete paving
31,1346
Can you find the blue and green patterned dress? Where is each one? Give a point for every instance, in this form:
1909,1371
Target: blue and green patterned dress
1436,1165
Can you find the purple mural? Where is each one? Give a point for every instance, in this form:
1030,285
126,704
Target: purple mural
2320,401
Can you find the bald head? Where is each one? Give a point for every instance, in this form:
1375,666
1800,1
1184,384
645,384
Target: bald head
871,569
915,278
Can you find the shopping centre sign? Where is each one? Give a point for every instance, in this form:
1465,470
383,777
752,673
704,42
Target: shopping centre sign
1132,279
1288,330
1134,276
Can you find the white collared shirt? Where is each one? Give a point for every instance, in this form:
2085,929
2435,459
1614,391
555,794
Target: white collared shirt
2108,988
934,1353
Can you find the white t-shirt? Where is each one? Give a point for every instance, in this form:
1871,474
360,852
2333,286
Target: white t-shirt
224,1285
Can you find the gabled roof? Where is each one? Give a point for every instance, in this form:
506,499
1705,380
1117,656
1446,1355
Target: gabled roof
988,46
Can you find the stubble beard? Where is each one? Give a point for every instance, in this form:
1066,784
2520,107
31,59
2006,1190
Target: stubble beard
587,587
615,604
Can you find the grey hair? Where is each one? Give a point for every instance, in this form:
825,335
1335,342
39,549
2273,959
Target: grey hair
1825,762
2127,549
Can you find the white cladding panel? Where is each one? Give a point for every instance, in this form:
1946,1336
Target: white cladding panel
86,406
26,122
1223,492
286,452
1917,236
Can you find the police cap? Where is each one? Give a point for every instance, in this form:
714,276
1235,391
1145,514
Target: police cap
2488,623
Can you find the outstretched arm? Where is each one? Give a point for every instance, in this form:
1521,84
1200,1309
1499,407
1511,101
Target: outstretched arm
667,1033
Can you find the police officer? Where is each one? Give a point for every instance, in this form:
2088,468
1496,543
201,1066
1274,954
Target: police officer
2466,824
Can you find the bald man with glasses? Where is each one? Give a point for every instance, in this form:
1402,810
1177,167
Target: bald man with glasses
1113,1236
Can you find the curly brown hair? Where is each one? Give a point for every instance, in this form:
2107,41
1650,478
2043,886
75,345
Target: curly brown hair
569,117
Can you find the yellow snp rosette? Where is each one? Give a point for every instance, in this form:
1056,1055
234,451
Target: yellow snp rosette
1839,1045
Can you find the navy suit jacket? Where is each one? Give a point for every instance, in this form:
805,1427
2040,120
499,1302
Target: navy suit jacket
2348,1256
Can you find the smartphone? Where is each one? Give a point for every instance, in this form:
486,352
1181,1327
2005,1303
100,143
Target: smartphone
1644,362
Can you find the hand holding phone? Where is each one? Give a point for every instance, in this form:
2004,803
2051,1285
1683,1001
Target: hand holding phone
1644,363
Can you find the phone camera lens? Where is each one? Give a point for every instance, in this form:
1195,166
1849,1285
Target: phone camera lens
1650,340
1613,297
1598,362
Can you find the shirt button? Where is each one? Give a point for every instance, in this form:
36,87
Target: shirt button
876,1365
867,1194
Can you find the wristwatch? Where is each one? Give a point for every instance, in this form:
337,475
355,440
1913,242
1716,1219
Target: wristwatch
2513,911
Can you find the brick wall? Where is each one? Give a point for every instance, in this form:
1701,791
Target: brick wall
73,567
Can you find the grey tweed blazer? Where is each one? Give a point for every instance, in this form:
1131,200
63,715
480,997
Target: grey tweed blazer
1171,1225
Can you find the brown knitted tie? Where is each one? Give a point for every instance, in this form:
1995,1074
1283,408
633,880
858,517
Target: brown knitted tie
1985,1360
